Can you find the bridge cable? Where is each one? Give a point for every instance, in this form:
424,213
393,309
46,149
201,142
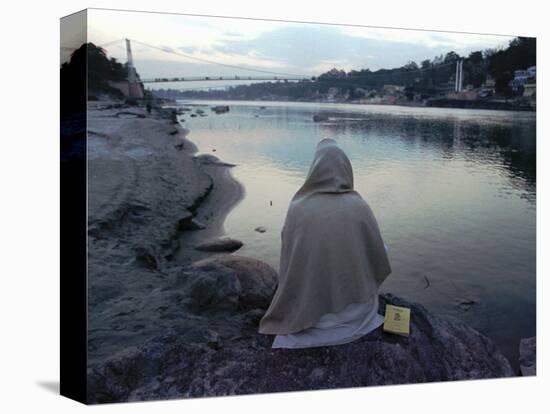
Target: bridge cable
218,63
110,43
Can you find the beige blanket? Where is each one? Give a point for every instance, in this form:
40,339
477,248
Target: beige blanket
332,252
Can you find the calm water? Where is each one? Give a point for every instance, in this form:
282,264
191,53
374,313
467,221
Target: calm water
453,192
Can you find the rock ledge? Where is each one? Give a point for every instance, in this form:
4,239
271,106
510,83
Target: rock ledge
235,359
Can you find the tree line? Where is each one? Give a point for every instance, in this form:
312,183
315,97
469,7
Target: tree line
427,77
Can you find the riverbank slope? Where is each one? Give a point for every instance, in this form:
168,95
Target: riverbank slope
145,187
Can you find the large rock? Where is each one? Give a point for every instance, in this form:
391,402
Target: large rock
243,362
257,279
223,244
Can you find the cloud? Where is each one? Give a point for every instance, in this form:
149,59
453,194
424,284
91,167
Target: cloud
310,48
307,49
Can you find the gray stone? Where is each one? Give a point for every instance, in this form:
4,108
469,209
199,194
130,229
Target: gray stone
214,287
224,244
258,280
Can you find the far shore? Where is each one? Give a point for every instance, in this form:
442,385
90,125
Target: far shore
442,103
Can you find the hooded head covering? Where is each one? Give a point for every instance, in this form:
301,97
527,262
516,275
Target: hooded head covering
332,253
330,171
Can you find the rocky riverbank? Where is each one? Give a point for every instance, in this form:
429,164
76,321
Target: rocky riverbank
171,315
213,347
145,187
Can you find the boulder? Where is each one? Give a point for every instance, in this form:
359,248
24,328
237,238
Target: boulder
223,244
528,356
257,279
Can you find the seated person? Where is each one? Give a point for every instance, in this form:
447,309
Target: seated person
333,260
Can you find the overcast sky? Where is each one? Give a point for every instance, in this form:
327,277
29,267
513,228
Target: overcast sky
295,48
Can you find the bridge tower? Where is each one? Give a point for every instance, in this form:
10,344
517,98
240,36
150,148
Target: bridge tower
135,87
458,76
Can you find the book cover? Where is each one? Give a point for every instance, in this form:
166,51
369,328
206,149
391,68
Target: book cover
397,320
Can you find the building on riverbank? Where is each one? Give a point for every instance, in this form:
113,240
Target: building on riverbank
522,77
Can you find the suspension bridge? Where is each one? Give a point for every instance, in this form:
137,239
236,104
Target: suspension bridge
256,73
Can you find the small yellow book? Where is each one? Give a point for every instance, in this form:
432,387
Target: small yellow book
397,320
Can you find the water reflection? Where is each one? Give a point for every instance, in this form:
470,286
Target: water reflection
509,147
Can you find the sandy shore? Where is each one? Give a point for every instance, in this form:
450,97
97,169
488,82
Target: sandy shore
225,194
145,185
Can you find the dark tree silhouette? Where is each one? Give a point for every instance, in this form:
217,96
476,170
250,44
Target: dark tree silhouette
89,65
520,54
428,80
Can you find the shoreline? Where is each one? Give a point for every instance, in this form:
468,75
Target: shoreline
209,205
225,194
212,210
